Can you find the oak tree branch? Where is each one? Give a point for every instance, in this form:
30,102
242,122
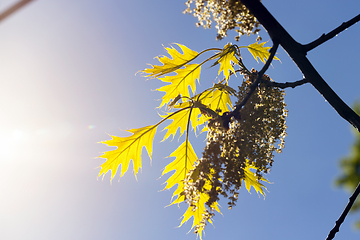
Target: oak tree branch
13,9
333,33
298,54
285,85
227,116
343,215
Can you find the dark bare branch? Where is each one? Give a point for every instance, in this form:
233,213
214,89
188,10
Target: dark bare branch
13,9
285,85
227,116
257,81
298,54
344,214
333,33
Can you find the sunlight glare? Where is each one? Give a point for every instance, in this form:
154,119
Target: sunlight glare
17,135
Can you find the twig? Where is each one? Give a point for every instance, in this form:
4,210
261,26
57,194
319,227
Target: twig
298,54
343,215
227,116
13,9
333,33
258,79
285,85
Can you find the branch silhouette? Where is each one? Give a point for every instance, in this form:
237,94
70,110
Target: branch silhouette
287,84
13,9
298,53
325,37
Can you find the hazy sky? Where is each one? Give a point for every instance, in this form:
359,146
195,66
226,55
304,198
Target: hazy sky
67,79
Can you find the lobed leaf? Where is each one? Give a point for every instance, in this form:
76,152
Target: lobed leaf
180,83
259,51
128,148
226,58
180,120
198,214
217,99
170,65
185,158
252,180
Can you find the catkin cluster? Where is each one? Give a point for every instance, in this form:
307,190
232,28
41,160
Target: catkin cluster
251,139
227,14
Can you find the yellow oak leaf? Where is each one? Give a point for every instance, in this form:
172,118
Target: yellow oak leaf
180,83
219,100
128,148
170,65
185,158
199,212
259,51
226,58
251,180
180,120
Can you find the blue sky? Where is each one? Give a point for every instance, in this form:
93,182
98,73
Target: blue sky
68,79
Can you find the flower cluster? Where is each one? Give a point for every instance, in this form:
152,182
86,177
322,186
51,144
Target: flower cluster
227,14
250,140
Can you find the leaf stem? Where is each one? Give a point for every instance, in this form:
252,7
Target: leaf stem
167,117
187,140
153,126
199,65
